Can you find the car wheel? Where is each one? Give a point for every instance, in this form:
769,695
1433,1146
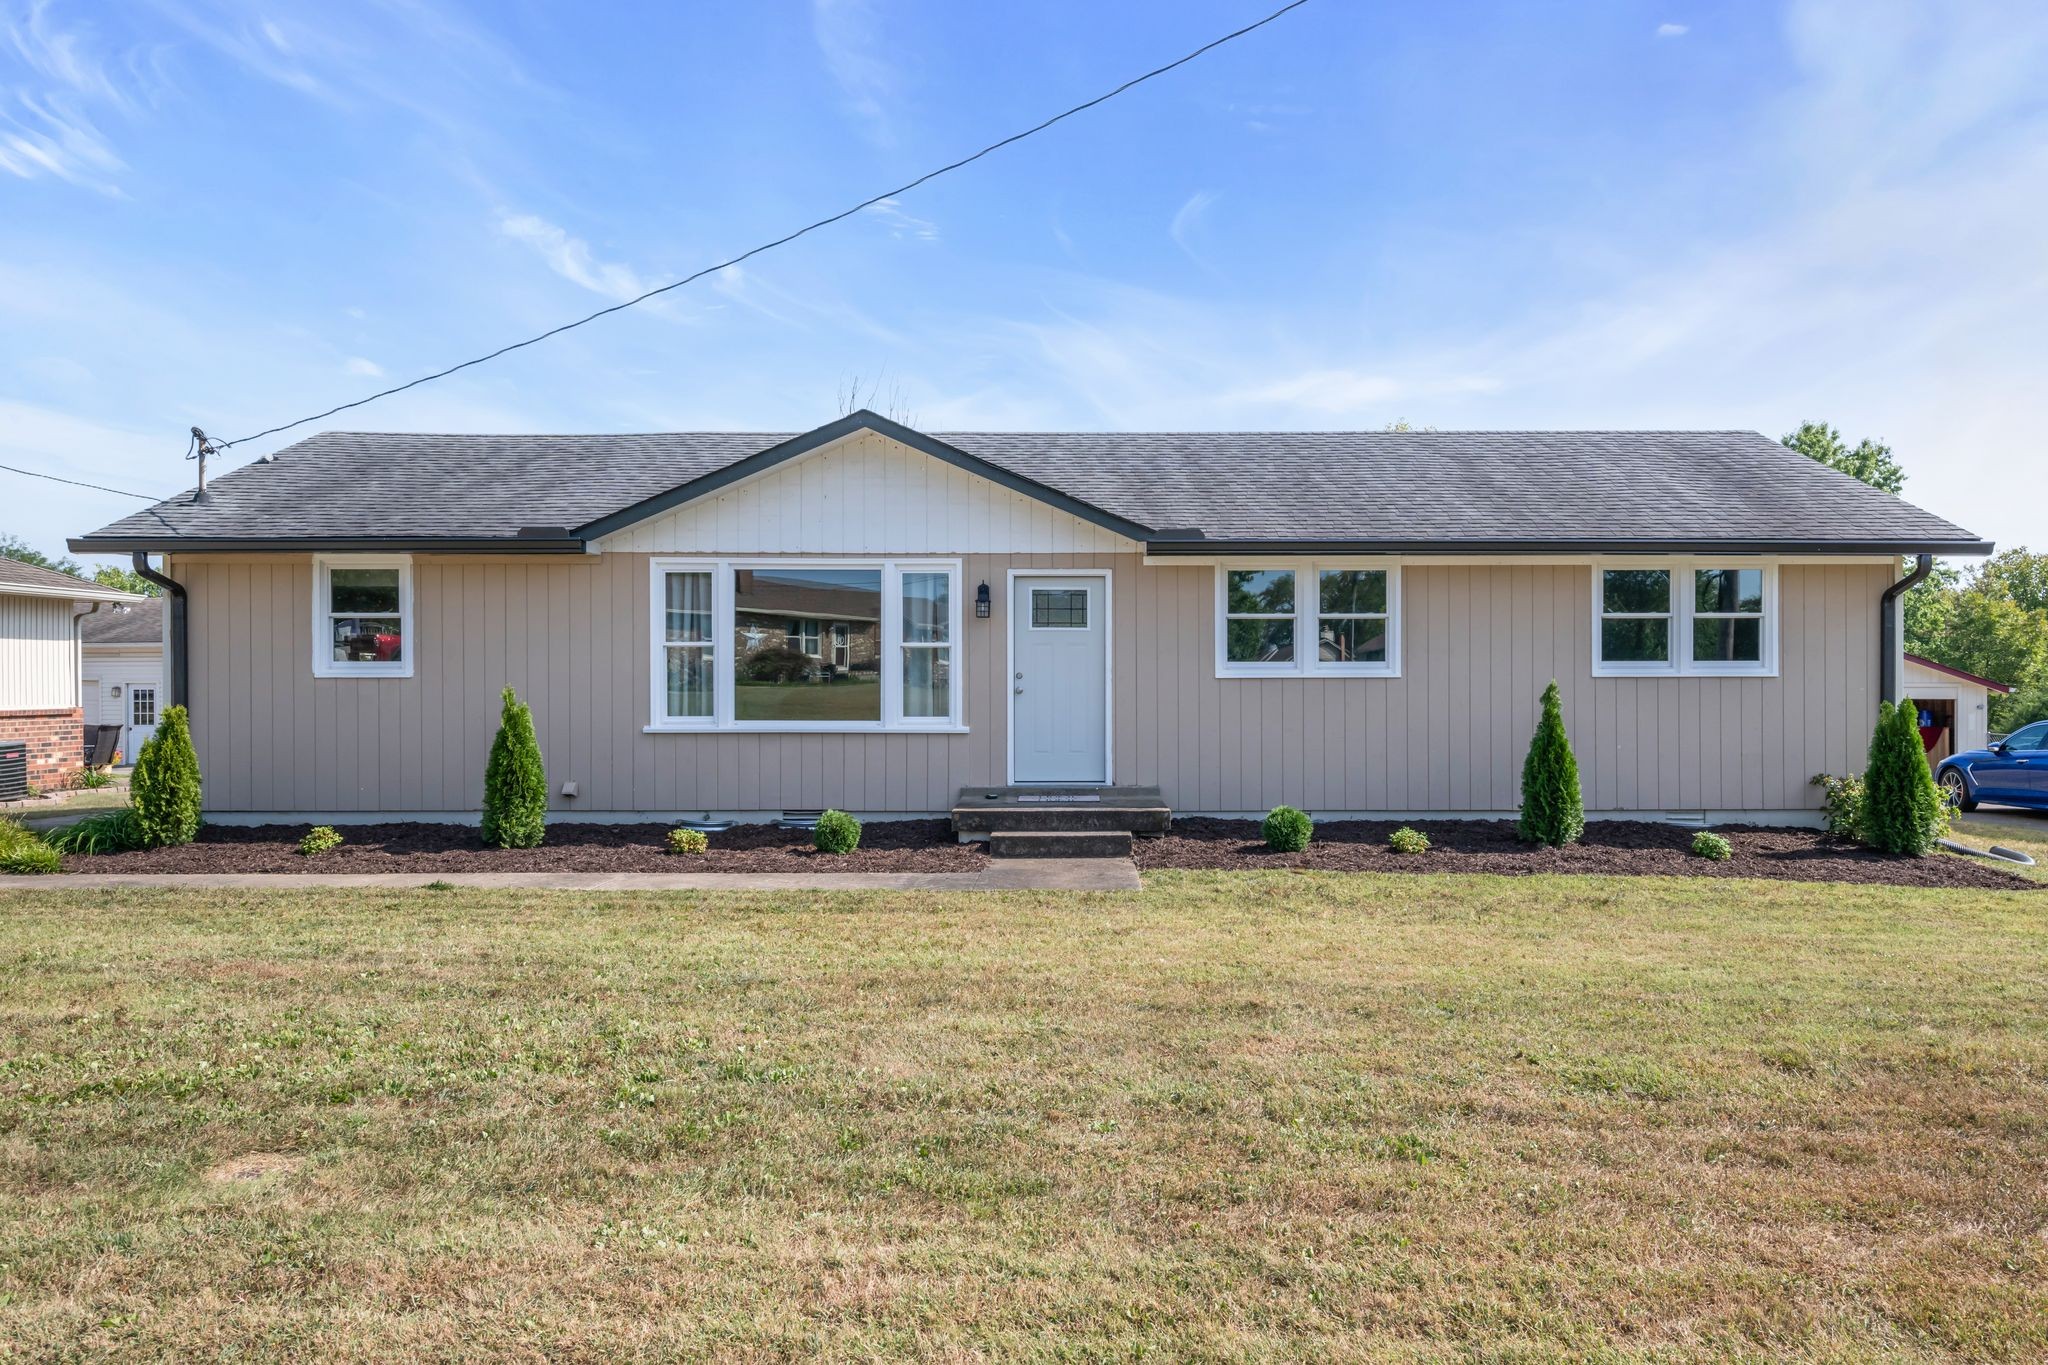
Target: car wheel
1955,789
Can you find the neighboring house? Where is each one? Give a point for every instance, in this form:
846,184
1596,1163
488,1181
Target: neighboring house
1347,622
40,610
1954,706
124,670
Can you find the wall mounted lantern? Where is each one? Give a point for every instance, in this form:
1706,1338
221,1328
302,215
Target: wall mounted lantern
981,602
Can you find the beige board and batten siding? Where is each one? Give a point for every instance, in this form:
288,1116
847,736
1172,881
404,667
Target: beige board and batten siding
571,634
38,653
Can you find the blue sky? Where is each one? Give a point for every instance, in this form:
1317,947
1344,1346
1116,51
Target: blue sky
233,213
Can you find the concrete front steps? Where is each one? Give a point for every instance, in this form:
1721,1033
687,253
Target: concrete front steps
1059,822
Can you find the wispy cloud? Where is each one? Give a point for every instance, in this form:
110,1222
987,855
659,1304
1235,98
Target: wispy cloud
849,37
902,224
1673,30
571,257
46,128
358,365
1187,222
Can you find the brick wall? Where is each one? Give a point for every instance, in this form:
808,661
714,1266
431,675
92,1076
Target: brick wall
56,744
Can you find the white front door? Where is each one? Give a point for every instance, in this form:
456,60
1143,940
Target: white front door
141,720
1059,665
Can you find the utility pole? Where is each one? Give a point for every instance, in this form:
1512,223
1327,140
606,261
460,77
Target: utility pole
201,448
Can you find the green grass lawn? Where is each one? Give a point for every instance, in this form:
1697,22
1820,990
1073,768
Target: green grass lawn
1239,1116
2025,830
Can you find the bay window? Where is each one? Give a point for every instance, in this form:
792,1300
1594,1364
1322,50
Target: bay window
1684,616
362,616
795,645
1304,617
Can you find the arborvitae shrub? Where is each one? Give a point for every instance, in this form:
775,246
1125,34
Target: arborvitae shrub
837,832
515,782
164,792
1553,809
1287,830
1902,812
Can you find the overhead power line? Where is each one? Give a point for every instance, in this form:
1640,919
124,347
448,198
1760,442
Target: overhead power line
78,483
867,203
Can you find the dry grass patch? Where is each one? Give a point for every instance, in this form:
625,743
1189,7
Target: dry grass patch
1239,1116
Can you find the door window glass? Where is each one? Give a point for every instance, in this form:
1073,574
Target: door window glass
1059,609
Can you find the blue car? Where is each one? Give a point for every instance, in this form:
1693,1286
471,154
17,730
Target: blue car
2012,772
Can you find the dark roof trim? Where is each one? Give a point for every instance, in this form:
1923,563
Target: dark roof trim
840,430
501,545
1159,547
1993,684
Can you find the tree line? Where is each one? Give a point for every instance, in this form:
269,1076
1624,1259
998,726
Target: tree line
1991,620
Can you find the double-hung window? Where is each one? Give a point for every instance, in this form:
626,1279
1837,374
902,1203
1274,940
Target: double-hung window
1727,619
806,644
1302,617
362,616
1689,616
1258,620
688,644
1351,620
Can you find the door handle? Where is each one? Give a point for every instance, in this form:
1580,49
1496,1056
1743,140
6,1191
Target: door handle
1020,691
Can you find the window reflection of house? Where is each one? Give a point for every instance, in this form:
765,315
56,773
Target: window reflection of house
830,616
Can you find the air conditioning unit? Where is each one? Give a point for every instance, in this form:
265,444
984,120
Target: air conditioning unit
13,770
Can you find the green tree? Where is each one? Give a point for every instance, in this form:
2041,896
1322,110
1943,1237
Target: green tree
1992,622
515,781
14,547
2017,575
1553,808
1930,607
164,792
1901,809
1868,460
127,580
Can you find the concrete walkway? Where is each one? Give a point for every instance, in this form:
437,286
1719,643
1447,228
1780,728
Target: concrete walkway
1015,874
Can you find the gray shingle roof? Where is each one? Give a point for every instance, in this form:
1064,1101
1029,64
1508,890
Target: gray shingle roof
33,579
1371,488
139,623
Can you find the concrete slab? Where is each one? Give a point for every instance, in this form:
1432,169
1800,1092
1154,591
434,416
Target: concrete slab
1024,874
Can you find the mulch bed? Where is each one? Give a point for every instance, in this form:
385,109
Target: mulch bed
885,846
1610,847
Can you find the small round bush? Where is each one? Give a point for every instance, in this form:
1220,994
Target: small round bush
688,841
320,839
1406,840
837,832
1287,829
1707,844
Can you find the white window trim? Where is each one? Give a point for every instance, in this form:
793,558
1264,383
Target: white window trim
722,718
1681,664
324,664
1307,662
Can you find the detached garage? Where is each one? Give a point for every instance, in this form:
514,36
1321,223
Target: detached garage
1954,706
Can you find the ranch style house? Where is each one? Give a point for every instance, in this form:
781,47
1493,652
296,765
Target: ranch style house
869,617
